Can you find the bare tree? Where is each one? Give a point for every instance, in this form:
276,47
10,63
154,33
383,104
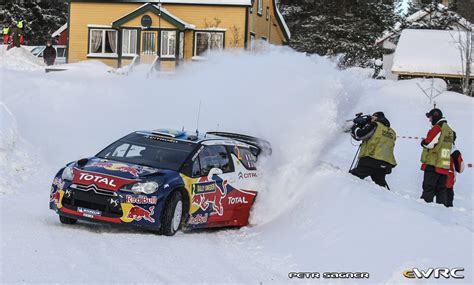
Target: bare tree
465,46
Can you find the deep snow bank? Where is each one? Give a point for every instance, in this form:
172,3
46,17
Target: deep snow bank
310,214
19,59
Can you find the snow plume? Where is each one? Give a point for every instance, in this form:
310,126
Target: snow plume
14,161
310,214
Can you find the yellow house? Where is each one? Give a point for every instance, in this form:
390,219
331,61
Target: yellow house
169,31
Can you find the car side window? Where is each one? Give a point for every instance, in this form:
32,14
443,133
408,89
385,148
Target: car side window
246,157
196,171
212,157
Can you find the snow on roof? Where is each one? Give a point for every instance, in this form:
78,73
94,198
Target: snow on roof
417,16
207,2
433,52
285,26
59,31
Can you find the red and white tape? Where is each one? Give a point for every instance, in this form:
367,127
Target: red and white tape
469,165
412,138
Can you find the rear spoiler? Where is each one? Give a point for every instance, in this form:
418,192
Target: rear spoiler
261,146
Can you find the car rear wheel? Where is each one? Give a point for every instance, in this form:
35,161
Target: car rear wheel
173,214
67,221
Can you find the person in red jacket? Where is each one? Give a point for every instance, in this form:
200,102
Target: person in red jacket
435,158
457,165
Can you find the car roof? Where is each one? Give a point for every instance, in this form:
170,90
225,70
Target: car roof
193,137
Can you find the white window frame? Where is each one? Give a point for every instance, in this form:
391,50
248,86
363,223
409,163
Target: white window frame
102,54
209,43
130,42
181,45
168,55
260,7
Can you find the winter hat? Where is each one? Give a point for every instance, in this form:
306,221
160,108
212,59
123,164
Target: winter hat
379,115
435,115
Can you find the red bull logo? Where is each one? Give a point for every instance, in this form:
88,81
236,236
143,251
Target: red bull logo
58,182
119,167
138,213
206,194
140,199
54,197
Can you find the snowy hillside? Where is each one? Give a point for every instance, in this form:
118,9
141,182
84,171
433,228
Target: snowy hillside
310,215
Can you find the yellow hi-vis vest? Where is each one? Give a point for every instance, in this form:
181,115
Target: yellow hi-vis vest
20,24
440,155
6,30
380,145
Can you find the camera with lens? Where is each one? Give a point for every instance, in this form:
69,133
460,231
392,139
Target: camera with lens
361,120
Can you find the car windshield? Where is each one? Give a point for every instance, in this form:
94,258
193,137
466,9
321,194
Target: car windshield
36,50
149,150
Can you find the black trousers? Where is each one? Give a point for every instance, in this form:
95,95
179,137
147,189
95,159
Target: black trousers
434,185
449,197
377,174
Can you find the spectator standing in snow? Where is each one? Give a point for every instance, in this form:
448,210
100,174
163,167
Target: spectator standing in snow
376,157
15,34
436,158
49,54
20,26
456,165
5,33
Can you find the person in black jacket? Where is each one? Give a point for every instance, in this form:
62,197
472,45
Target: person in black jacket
49,54
376,157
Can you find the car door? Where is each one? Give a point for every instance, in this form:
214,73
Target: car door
214,169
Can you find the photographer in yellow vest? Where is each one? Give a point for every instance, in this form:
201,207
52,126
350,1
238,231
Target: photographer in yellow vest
436,158
376,157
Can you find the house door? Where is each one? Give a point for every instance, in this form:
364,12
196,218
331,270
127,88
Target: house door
149,47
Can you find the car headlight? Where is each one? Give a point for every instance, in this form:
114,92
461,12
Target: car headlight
68,173
145,188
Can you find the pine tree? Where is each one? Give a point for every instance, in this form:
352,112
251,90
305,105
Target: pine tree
347,29
41,18
439,18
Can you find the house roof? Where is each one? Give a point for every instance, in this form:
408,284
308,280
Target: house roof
199,2
419,16
59,31
429,52
282,22
160,11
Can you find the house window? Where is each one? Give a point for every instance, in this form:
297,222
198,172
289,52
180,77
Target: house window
181,45
129,42
205,41
168,44
149,42
260,7
103,42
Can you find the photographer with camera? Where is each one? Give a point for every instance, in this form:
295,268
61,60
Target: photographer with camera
376,158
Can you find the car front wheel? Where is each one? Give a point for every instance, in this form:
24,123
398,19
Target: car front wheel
173,214
67,221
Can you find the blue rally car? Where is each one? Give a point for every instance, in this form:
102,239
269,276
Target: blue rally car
163,180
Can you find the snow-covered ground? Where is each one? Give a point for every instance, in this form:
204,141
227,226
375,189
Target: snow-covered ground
310,215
